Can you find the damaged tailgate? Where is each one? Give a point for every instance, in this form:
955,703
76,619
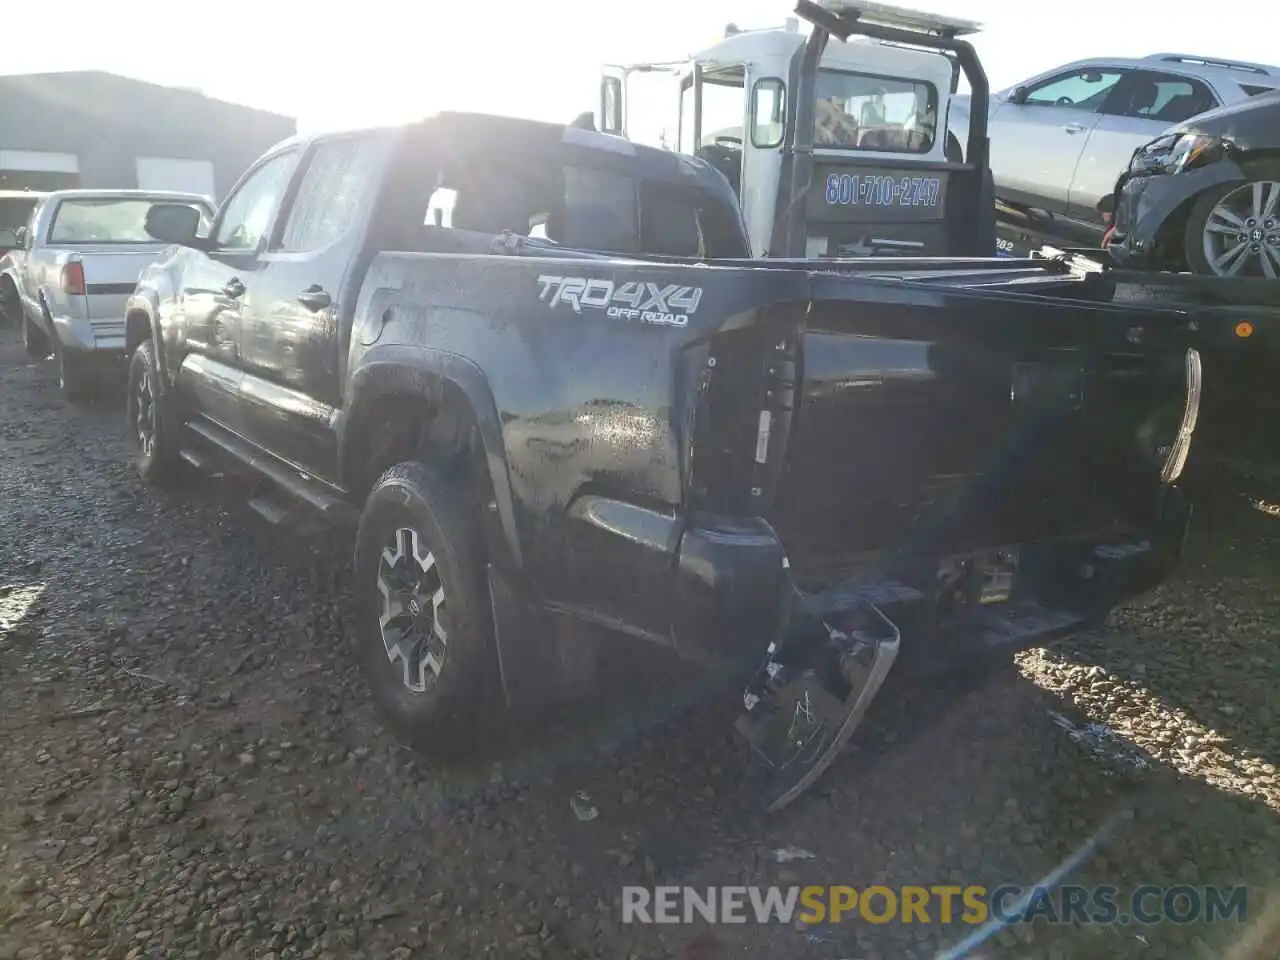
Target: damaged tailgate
944,474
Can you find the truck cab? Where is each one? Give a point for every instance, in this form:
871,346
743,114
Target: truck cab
835,149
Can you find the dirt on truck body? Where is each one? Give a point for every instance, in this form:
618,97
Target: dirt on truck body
549,391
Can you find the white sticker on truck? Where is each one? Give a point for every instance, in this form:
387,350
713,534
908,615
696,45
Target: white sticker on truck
666,305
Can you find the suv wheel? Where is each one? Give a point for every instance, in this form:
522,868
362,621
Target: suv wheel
1234,231
424,637
155,428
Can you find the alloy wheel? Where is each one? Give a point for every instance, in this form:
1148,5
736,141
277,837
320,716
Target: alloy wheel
1241,235
145,418
412,611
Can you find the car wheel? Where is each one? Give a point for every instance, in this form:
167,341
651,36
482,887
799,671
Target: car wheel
10,305
77,375
157,456
424,637
1233,230
34,340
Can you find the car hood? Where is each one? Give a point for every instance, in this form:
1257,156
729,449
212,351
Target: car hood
1250,124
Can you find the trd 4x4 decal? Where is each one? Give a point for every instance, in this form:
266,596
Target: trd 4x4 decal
670,305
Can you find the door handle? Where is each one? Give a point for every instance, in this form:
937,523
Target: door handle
234,288
315,297
1074,128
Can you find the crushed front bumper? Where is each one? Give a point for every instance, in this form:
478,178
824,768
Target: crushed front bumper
1150,210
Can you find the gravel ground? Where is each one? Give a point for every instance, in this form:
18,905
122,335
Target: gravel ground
190,766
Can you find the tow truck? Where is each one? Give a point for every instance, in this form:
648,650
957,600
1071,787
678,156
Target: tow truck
837,149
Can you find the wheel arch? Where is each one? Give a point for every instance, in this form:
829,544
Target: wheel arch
141,323
404,401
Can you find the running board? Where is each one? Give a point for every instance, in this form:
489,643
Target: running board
797,717
317,495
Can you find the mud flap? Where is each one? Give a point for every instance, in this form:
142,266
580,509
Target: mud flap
809,697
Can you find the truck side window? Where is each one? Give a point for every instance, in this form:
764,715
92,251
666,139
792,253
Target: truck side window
669,221
334,189
248,211
599,211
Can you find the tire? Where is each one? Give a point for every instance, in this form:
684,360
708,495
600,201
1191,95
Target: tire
77,375
10,305
34,340
440,711
152,418
1268,230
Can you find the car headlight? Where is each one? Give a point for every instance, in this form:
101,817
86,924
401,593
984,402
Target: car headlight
1175,153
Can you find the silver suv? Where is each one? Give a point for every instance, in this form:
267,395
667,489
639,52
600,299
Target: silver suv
1060,139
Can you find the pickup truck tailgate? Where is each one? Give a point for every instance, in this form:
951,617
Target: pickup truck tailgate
110,275
946,423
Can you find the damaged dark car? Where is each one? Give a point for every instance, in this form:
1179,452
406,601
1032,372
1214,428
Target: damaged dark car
549,391
1205,196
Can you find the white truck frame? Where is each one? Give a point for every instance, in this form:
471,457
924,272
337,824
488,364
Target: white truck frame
890,191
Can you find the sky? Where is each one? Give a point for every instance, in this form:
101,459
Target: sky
386,61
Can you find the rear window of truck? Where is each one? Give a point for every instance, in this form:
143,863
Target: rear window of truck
106,220
863,111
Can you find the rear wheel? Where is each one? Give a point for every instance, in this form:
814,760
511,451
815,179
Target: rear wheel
1233,230
34,340
10,305
77,374
424,635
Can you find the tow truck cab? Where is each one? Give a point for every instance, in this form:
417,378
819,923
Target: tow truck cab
836,149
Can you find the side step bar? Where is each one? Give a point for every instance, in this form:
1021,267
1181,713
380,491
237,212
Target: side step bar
328,503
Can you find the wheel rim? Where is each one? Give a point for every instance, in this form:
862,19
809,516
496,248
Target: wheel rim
412,610
145,415
1241,235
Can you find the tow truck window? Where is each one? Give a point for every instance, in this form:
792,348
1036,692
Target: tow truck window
768,112
862,111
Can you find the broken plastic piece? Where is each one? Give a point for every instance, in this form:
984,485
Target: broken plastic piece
787,854
582,806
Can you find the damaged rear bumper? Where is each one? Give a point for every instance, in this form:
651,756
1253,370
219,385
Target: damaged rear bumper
736,593
821,648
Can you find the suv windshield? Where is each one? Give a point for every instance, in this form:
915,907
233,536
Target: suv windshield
862,111
108,221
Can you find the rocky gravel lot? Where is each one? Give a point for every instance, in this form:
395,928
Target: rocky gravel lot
189,766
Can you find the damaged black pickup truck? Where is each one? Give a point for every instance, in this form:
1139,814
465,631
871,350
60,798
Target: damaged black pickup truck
533,364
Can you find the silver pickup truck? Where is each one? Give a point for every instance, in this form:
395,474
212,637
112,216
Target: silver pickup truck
76,263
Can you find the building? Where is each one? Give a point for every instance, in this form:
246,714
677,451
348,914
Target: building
95,129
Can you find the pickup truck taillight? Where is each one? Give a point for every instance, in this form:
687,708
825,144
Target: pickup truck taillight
73,278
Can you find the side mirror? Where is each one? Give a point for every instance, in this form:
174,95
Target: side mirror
1019,95
173,223
611,105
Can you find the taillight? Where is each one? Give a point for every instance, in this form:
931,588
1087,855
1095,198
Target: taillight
73,278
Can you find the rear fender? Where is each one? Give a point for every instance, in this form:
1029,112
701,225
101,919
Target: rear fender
422,371
534,661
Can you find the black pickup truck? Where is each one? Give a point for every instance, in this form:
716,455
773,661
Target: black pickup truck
534,365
